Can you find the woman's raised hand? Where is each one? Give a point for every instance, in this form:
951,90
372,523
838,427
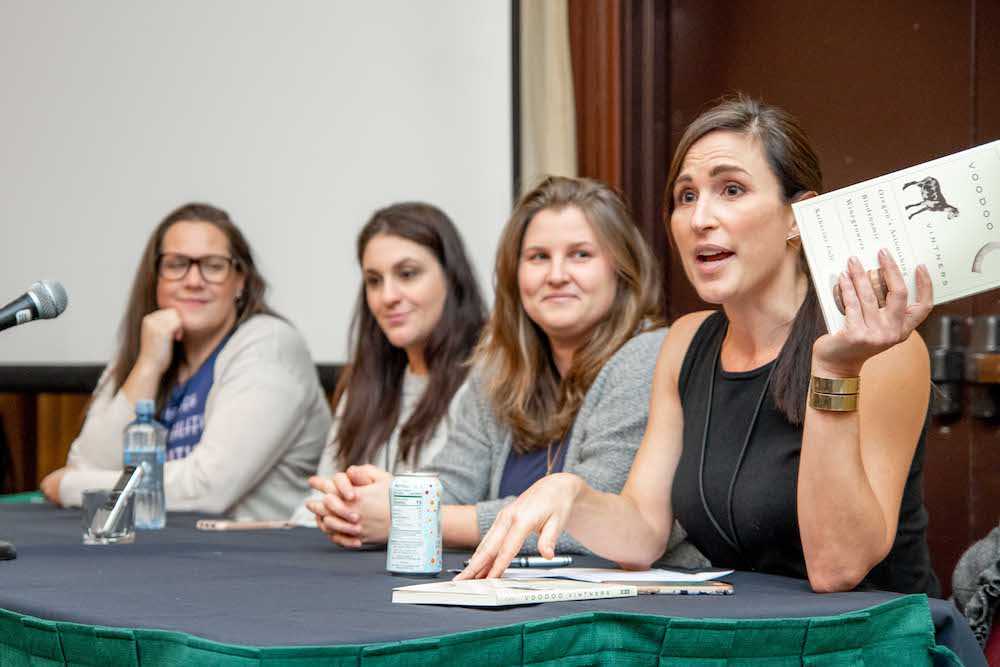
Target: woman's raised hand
156,347
870,329
156,350
544,508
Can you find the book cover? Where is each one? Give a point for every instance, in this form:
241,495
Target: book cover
506,592
944,213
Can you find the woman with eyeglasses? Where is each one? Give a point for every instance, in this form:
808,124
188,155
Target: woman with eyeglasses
233,382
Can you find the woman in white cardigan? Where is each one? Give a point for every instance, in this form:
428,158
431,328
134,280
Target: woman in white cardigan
233,382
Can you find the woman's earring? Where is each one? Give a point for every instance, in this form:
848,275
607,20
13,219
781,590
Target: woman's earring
239,296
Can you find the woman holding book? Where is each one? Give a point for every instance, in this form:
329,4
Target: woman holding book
760,439
561,377
418,315
233,382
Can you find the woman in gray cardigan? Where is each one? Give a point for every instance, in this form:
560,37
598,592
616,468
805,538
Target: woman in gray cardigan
418,315
562,373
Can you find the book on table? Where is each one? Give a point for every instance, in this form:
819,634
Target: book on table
533,585
944,213
507,592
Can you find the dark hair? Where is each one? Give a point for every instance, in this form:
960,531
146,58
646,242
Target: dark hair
373,379
142,298
796,166
520,378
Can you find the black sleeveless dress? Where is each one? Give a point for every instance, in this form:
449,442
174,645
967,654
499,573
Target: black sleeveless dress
750,491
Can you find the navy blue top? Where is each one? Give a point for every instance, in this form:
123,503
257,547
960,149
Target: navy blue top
184,413
523,470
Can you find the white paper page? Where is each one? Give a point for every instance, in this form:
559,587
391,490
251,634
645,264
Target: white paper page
599,574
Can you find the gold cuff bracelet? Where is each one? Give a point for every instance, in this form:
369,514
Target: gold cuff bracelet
833,402
835,385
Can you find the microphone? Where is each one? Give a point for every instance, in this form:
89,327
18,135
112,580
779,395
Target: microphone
43,301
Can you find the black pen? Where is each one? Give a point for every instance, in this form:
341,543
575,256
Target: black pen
537,561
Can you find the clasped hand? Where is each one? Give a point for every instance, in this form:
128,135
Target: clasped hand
354,510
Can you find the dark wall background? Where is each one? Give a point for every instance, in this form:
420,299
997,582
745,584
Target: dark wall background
878,87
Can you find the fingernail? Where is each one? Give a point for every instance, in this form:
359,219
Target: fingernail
883,253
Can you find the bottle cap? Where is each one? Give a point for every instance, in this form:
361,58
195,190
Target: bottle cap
145,407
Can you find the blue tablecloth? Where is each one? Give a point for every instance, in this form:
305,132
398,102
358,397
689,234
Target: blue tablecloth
294,588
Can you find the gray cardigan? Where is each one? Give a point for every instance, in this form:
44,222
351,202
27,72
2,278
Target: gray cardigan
602,443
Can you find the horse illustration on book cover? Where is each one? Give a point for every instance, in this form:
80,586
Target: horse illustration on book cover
932,199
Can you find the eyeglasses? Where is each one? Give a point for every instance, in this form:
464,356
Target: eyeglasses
213,268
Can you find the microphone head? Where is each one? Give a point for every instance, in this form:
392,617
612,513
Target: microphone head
50,297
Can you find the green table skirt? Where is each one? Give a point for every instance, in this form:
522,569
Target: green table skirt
899,632
20,498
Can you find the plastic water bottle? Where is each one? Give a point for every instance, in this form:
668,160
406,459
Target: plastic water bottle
146,446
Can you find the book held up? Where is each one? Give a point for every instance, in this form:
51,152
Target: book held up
944,213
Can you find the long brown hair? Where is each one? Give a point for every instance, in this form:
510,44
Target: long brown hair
142,298
373,380
796,166
514,355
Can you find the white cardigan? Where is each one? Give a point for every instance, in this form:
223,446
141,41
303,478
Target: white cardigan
266,418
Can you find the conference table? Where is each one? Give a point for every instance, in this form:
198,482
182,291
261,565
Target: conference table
290,597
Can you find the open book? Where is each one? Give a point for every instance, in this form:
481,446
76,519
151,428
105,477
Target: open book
505,592
944,213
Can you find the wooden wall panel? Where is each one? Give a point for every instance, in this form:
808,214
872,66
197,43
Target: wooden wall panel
60,417
878,87
594,27
646,105
39,430
17,412
985,446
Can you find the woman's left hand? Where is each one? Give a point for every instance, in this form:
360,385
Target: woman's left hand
869,329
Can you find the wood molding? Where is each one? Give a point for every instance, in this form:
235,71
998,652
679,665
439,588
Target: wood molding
646,104
595,45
